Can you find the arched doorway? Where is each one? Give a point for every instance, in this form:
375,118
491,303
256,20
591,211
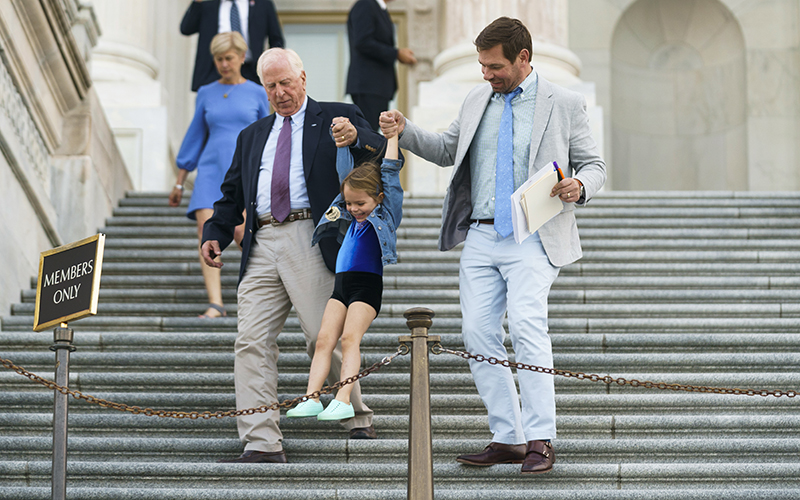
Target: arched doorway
678,79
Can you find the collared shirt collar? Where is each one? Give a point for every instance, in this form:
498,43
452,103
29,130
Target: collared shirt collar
297,118
382,3
528,83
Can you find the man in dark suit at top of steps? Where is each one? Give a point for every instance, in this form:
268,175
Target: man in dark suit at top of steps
372,78
256,20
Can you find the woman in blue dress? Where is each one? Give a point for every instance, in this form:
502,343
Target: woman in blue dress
223,109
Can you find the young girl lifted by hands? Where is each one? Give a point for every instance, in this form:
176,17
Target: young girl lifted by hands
367,213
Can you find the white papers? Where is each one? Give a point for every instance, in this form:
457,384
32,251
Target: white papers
531,204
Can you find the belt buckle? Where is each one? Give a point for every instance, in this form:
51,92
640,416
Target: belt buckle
293,216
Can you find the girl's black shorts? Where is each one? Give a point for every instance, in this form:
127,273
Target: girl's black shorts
357,286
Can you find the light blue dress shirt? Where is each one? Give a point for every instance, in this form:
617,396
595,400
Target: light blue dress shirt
483,150
298,192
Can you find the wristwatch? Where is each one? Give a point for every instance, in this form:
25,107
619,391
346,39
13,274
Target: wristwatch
582,196
180,186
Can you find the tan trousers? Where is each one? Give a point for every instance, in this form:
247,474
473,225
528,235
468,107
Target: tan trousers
283,269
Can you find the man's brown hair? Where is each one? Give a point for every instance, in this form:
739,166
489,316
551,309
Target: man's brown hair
508,32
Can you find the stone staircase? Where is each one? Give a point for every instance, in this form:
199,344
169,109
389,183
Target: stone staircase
690,288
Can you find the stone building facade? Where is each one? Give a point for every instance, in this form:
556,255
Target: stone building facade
61,172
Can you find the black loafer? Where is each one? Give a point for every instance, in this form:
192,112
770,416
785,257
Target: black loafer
257,457
363,433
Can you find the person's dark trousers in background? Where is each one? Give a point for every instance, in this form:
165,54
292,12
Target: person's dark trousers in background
372,106
250,72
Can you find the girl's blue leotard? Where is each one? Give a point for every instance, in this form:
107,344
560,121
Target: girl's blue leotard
360,250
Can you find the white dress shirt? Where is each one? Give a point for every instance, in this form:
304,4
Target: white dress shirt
298,194
224,24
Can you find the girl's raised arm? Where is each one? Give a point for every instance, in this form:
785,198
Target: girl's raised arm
392,152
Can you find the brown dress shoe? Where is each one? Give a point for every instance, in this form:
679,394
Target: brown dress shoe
363,433
539,457
257,457
495,453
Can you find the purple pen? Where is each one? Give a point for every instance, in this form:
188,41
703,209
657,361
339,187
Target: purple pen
560,173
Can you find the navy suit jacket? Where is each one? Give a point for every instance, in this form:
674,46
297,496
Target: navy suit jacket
372,52
240,187
203,18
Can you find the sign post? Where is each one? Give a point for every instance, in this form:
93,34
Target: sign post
62,346
68,289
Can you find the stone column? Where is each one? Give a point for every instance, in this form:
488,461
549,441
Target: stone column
456,69
125,74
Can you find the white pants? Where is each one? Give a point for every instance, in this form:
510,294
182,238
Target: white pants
282,270
496,276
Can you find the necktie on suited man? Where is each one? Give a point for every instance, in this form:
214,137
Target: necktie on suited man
504,174
280,203
236,22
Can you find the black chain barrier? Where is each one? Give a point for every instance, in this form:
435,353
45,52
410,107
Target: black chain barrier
437,348
194,415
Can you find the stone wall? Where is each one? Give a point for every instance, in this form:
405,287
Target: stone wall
61,173
698,94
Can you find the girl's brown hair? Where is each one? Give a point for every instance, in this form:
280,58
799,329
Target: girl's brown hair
365,177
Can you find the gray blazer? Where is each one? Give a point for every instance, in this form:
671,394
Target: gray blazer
560,132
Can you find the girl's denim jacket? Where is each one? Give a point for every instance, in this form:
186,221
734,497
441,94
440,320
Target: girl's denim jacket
386,216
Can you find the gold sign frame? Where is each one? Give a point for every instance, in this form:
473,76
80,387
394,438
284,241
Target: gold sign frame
99,239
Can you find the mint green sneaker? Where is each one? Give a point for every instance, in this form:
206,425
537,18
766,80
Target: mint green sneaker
308,408
337,411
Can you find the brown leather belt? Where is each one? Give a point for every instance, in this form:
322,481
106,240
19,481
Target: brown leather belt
483,221
304,213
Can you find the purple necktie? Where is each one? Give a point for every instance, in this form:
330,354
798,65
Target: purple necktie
279,193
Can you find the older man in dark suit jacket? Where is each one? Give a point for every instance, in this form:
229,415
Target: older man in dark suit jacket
371,78
258,21
279,267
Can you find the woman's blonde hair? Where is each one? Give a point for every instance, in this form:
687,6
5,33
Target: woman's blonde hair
365,177
231,40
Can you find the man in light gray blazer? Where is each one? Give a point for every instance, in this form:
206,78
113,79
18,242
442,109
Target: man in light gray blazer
519,116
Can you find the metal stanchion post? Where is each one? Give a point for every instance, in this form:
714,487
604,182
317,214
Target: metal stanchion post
420,452
62,347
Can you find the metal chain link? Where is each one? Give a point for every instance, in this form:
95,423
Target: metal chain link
437,348
137,410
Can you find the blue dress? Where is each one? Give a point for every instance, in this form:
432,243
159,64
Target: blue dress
211,139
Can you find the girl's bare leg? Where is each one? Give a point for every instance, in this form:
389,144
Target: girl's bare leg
359,317
333,320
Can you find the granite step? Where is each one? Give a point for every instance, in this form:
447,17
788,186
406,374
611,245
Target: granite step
194,295
584,452
745,255
382,476
771,270
523,492
115,249
697,341
587,309
396,324
686,426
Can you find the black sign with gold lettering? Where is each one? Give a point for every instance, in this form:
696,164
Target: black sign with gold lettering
69,282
